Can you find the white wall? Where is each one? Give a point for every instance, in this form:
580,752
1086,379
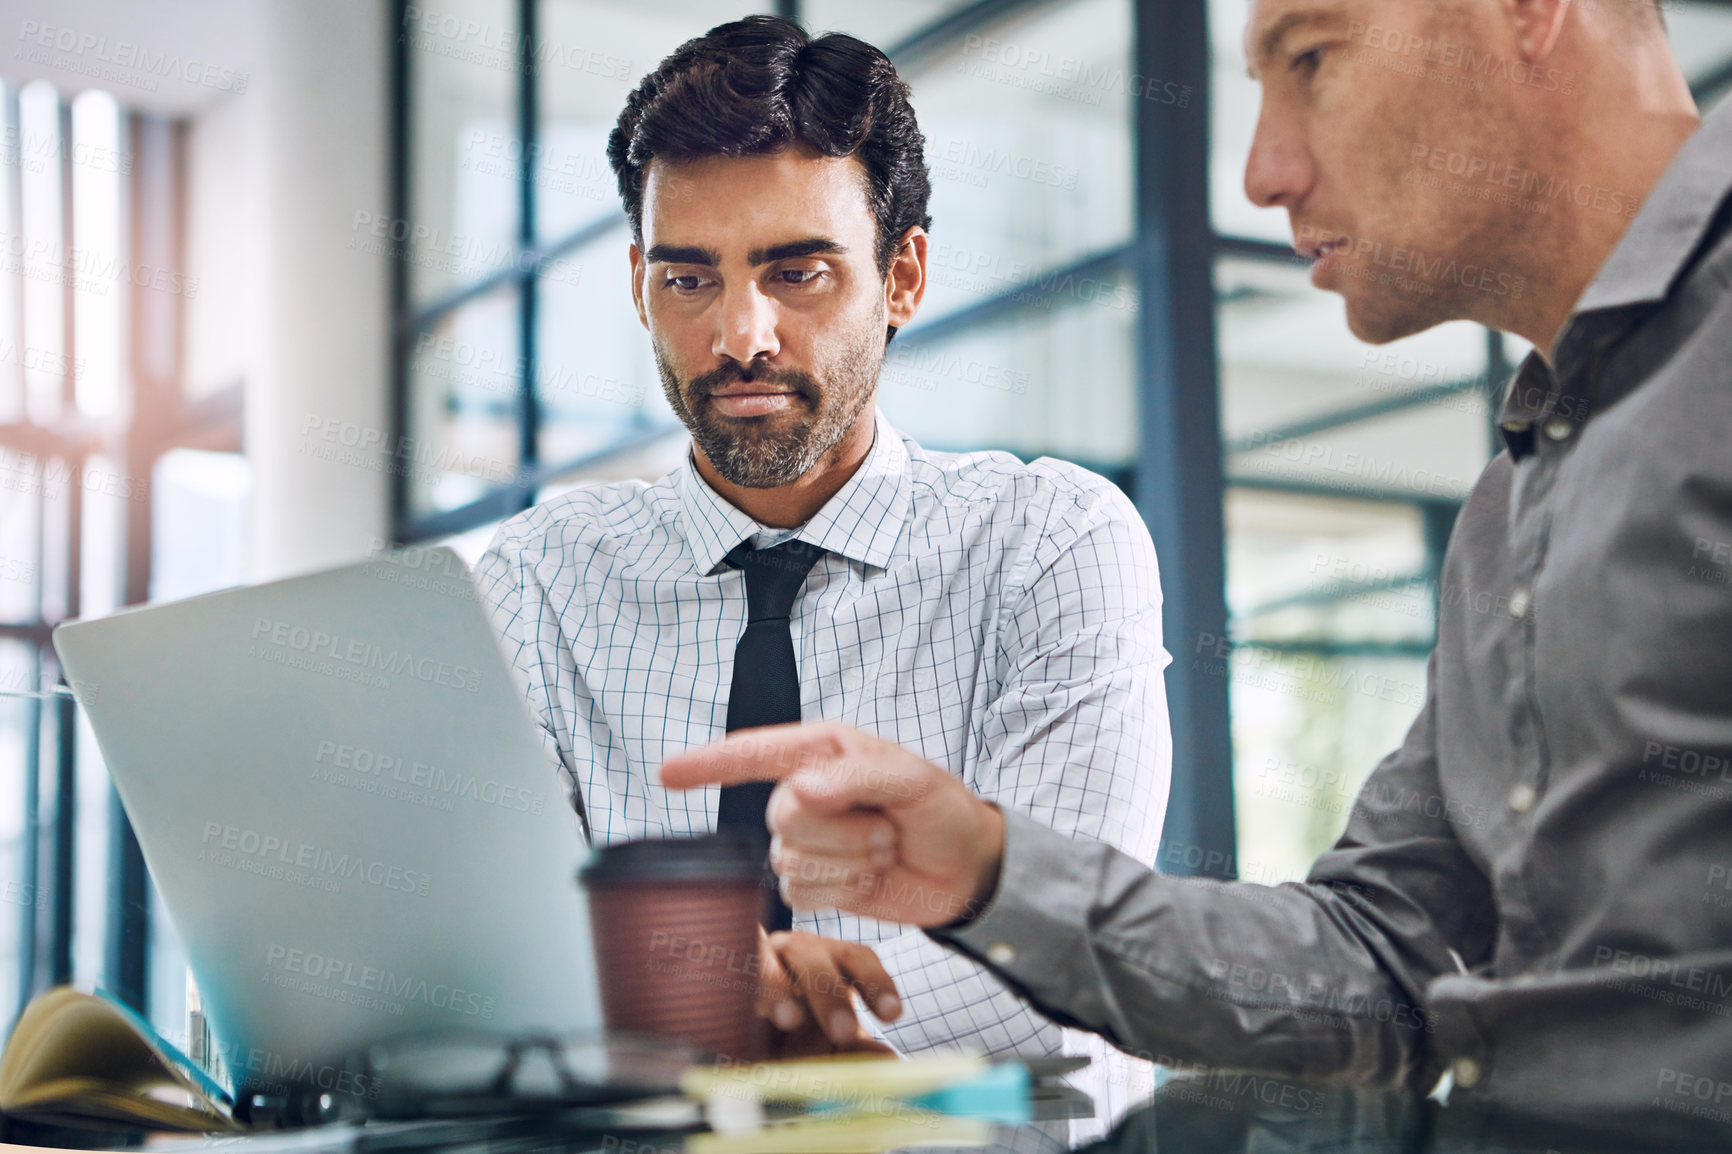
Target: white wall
322,356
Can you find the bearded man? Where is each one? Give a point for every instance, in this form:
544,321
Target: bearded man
808,562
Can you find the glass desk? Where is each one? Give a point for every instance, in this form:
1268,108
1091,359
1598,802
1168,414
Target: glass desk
1218,1113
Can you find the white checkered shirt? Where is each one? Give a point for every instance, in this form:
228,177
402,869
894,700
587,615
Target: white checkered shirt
1001,619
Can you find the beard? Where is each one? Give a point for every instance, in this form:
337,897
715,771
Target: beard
778,449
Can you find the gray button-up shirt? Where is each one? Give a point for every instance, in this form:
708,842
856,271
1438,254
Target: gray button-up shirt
1534,893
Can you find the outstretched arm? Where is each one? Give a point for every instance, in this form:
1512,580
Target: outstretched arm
1320,980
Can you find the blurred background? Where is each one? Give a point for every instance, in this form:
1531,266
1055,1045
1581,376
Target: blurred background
285,281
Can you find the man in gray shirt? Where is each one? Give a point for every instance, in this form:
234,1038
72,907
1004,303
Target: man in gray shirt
1532,902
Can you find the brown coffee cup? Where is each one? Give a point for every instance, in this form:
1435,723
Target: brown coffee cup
675,922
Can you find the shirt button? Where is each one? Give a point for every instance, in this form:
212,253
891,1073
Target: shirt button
1522,798
1466,1072
1001,954
1519,601
1559,428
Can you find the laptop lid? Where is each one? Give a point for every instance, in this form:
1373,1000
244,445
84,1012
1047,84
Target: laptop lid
347,809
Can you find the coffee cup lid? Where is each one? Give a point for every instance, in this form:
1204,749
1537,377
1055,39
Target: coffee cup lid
725,857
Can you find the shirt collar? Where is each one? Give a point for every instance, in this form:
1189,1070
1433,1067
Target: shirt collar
862,522
1671,223
1642,270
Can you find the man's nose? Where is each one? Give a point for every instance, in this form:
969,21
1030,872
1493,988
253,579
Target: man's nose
1279,172
745,325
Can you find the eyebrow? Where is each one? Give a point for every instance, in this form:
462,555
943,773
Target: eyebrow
794,249
697,254
1271,39
682,254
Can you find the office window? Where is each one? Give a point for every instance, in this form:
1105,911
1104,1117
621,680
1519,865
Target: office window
91,406
1345,467
1343,464
518,356
1026,339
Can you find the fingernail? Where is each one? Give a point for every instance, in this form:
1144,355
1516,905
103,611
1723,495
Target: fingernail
787,1015
888,1006
841,1026
882,838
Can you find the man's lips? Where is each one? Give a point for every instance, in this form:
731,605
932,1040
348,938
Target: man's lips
1319,249
1316,250
753,399
749,389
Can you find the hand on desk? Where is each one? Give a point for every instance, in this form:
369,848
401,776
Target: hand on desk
807,994
860,824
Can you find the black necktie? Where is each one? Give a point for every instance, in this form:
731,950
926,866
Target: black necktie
766,686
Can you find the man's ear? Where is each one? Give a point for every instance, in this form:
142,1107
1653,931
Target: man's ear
905,286
637,270
1537,25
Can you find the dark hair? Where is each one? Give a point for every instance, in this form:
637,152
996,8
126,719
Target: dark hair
757,85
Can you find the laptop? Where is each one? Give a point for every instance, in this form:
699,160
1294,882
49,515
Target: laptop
348,812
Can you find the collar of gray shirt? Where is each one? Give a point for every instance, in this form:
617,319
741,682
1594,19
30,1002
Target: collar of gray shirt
1643,271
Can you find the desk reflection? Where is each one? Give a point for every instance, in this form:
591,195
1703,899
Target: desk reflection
1223,1113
